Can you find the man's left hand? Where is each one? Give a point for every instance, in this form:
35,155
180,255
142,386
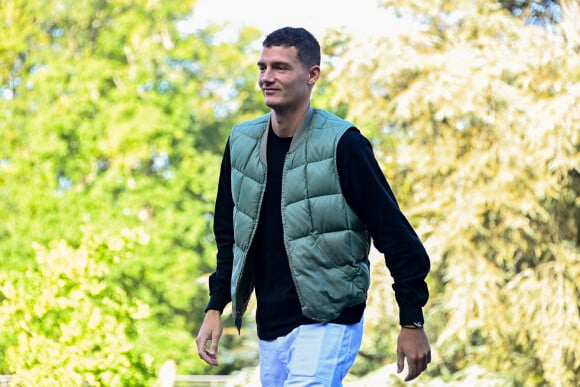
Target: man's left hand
414,346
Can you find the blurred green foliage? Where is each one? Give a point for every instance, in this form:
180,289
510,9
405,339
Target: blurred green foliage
112,119
64,323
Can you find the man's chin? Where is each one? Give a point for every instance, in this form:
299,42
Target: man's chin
272,103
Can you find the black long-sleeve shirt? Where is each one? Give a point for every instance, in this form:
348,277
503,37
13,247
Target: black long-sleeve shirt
367,192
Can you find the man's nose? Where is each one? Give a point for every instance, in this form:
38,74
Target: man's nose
266,75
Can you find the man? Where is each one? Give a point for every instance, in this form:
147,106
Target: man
299,197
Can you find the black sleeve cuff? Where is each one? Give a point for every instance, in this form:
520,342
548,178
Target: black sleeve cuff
217,302
408,315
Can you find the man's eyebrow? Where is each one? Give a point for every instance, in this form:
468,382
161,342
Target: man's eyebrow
275,63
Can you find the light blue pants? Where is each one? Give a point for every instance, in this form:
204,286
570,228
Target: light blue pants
310,355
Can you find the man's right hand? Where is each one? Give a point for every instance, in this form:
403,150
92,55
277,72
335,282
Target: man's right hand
210,331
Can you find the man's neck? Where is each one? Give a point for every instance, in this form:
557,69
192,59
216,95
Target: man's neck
285,123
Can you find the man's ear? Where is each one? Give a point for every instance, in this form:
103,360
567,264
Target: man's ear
313,75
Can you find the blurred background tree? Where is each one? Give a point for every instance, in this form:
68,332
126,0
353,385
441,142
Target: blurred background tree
112,118
113,121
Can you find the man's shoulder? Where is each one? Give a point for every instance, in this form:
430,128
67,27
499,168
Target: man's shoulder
325,119
326,114
253,128
258,121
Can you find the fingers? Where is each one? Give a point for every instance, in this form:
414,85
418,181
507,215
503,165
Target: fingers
413,371
210,357
400,360
413,345
210,331
214,346
417,364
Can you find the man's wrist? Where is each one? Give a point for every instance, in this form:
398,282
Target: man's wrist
216,302
415,325
409,315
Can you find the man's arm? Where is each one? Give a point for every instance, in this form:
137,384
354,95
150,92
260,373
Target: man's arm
368,193
220,280
223,228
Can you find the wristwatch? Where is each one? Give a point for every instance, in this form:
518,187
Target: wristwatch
414,325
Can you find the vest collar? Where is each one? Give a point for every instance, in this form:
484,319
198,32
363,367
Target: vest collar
302,129
296,139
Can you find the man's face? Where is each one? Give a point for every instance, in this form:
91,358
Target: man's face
285,82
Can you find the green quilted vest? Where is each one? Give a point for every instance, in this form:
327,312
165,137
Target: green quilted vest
326,243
